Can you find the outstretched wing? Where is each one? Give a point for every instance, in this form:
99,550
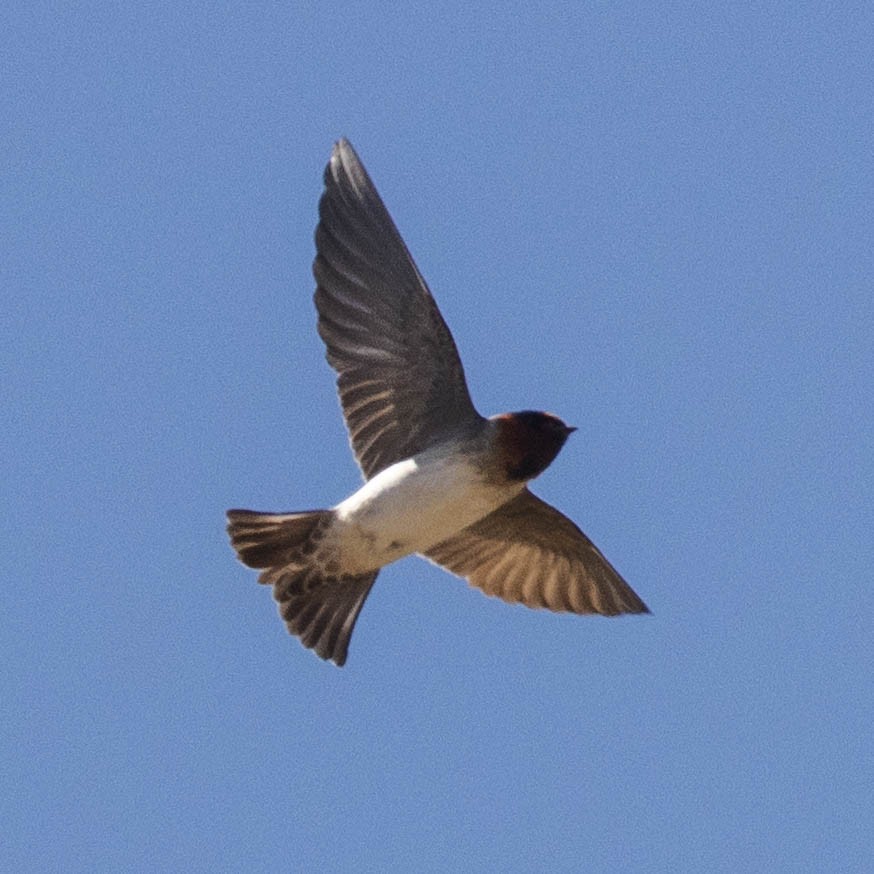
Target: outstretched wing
399,377
526,552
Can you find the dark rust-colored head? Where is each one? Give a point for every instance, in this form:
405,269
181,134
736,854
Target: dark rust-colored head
529,441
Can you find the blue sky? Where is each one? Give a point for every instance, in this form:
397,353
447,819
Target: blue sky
652,219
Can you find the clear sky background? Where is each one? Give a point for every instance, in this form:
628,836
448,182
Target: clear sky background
654,220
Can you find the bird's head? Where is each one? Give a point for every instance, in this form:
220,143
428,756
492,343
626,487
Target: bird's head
529,441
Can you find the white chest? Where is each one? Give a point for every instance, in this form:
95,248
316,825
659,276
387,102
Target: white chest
413,505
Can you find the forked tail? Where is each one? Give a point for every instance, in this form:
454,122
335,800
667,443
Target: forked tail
318,606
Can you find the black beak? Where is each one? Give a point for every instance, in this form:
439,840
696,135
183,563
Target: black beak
569,429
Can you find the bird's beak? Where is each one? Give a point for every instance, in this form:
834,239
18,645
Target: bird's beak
569,429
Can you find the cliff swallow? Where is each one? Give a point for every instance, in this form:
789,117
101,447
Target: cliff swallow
440,480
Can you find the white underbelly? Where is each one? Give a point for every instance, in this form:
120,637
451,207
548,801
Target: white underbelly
410,506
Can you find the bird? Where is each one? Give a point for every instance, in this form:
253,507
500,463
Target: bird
440,480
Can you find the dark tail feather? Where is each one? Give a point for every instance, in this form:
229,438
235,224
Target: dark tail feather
318,608
266,540
322,612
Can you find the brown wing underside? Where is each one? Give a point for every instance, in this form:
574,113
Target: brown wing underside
526,552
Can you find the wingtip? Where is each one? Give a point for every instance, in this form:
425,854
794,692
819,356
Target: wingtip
636,607
344,169
342,146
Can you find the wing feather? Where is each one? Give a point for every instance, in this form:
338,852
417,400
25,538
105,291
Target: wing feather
527,552
399,376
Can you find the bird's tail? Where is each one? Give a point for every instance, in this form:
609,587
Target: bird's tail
319,605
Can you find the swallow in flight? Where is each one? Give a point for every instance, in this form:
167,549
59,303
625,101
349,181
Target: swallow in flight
440,480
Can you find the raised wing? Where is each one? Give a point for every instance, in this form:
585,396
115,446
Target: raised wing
399,377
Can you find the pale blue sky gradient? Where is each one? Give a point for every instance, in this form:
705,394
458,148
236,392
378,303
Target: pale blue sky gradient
654,220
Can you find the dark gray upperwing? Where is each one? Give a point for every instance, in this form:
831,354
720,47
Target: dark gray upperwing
399,377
